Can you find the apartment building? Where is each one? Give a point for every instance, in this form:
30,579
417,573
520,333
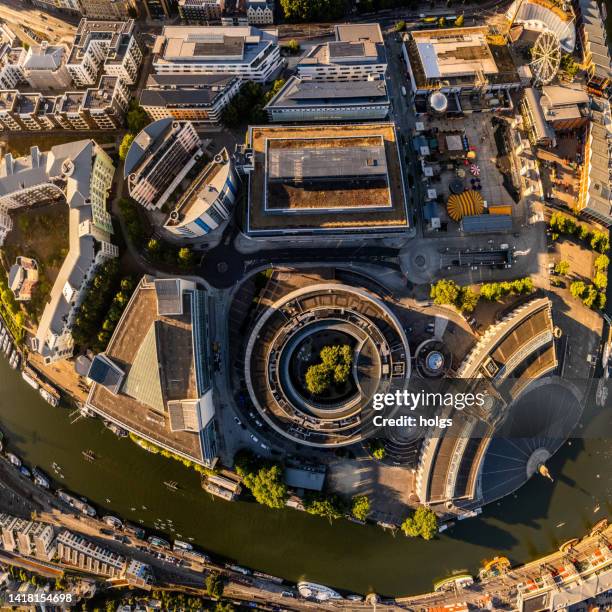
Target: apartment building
199,98
357,53
76,550
159,9
104,45
80,173
201,11
159,159
246,51
105,105
29,538
260,12
41,67
109,9
70,6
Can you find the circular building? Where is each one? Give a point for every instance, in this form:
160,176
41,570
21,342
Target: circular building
433,359
464,204
317,356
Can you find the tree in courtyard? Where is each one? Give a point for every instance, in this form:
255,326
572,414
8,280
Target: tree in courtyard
468,300
215,585
601,263
577,289
568,65
459,21
225,606
423,523
317,379
601,280
562,267
335,367
137,118
400,26
601,300
124,147
361,507
589,296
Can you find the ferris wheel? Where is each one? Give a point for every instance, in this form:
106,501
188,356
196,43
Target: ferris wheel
545,57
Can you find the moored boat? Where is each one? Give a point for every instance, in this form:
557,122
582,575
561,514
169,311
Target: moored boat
76,503
159,542
180,545
40,478
113,521
49,397
25,472
318,592
29,379
14,459
118,431
459,581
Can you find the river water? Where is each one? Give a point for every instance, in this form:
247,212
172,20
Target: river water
128,481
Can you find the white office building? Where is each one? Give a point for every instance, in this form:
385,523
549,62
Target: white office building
246,51
357,53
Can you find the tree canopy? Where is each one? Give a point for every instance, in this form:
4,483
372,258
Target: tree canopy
361,507
335,368
313,10
124,147
423,523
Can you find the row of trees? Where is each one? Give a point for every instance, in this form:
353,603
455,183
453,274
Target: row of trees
448,292
493,292
107,296
247,106
561,224
157,450
313,10
10,310
591,295
334,368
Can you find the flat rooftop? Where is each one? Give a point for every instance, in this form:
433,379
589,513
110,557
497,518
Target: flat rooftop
298,93
322,178
455,52
210,44
101,96
180,90
175,365
460,56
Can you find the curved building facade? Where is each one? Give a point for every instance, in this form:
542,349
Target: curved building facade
286,341
208,203
159,159
494,449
